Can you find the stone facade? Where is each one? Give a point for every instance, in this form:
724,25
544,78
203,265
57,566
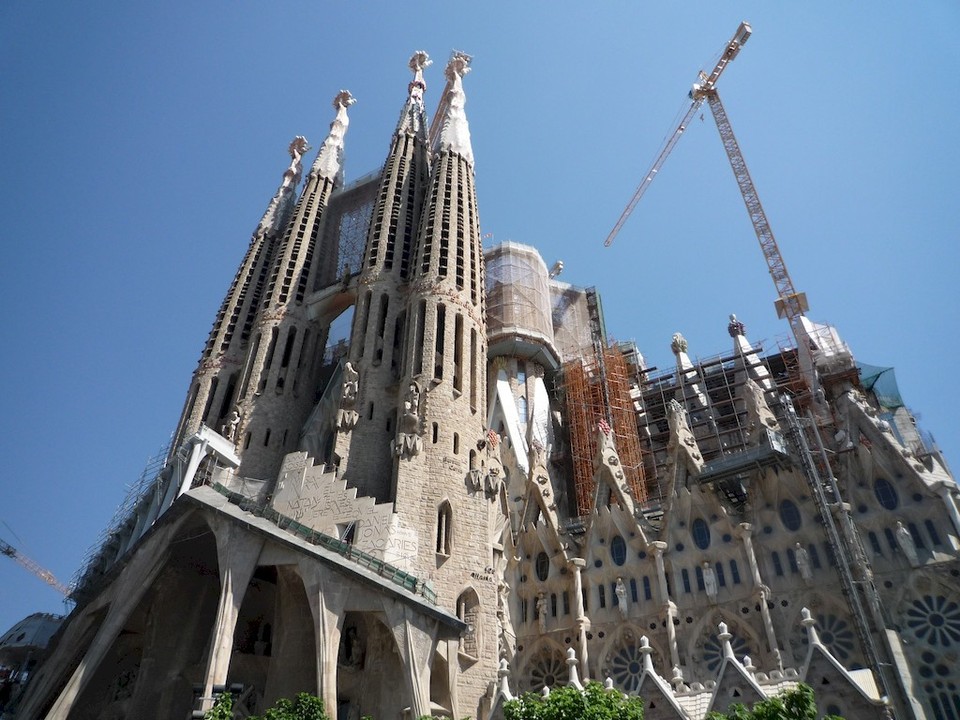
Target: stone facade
425,522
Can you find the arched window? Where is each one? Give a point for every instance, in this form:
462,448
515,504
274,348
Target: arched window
468,610
790,515
734,572
543,566
685,577
777,565
444,528
886,494
701,533
618,550
522,410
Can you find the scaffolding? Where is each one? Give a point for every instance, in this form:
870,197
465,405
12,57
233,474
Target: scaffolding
600,389
346,224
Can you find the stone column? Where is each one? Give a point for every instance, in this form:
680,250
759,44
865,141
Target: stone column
416,638
134,581
951,502
582,621
669,610
327,606
237,553
761,591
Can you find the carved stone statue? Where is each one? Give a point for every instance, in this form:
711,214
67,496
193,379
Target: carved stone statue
678,344
409,441
542,612
347,415
906,543
477,466
759,415
735,327
682,447
621,592
709,580
803,562
494,464
229,428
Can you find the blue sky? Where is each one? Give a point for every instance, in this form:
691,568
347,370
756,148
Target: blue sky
140,142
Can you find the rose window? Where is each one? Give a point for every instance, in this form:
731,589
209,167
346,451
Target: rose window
548,670
713,651
935,620
625,666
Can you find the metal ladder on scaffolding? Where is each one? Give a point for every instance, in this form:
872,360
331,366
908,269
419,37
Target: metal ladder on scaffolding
844,542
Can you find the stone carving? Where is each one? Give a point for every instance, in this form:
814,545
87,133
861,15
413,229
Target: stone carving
621,592
736,328
418,62
906,543
477,464
297,149
347,415
538,467
351,649
409,440
494,464
678,344
542,612
229,428
759,415
683,445
709,580
803,562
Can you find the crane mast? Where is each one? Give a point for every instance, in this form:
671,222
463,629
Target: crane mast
45,575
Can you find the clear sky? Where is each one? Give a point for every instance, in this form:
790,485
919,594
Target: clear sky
140,143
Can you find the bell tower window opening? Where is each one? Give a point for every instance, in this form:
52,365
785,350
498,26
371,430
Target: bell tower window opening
381,329
444,529
396,352
209,403
418,338
438,354
362,322
460,218
268,360
458,353
473,370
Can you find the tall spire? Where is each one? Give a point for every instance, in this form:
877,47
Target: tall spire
455,131
413,118
278,211
329,162
214,382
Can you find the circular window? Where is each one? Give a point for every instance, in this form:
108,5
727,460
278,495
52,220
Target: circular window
790,515
543,566
886,494
618,550
701,533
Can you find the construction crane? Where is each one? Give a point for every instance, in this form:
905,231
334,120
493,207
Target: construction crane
790,304
45,575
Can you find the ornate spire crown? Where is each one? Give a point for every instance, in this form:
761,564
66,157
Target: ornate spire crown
329,162
418,61
455,133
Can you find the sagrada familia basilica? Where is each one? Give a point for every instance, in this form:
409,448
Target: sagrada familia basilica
478,494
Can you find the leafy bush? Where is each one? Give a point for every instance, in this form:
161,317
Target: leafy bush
568,703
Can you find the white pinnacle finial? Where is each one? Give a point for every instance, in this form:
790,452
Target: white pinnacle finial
455,132
329,162
418,61
297,149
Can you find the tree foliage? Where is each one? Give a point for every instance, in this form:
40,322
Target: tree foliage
304,707
796,704
568,703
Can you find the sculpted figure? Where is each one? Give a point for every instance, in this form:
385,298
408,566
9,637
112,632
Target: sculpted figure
494,464
408,442
542,612
477,466
229,428
906,543
347,415
803,562
621,591
709,580
678,344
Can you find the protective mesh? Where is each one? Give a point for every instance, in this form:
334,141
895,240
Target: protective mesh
882,382
518,294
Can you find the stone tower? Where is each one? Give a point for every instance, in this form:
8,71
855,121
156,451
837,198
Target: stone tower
213,386
448,480
277,384
379,323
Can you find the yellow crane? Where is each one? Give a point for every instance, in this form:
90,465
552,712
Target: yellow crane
790,304
11,552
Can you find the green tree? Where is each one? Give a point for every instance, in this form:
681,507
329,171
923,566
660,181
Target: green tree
796,704
304,707
568,703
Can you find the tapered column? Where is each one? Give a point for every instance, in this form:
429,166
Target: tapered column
237,554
